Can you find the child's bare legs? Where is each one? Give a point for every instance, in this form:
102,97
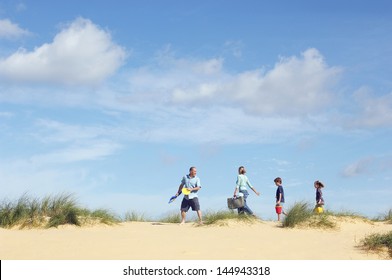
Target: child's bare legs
284,213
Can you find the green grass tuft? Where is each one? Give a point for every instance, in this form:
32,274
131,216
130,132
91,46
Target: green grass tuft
51,211
376,242
134,216
387,217
302,214
221,217
105,217
299,213
172,218
345,214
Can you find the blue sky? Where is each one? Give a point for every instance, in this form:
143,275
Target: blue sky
115,101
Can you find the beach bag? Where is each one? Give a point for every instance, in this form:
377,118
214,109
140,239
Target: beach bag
235,202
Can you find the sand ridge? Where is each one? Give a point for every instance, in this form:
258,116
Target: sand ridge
263,240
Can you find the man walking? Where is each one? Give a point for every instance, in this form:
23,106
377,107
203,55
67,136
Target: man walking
192,184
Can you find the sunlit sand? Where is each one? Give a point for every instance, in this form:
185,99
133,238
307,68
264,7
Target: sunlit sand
265,240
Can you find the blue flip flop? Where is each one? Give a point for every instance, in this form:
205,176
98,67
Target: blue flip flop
172,199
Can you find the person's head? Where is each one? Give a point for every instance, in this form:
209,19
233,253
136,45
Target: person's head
192,171
318,184
241,170
278,181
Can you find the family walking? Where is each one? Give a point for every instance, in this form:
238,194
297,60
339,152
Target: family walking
190,185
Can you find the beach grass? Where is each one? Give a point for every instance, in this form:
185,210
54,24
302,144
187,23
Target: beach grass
297,214
321,221
50,211
209,217
171,218
134,216
303,214
221,217
387,217
377,242
346,214
62,209
102,216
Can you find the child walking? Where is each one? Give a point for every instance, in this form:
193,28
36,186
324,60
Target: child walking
279,195
319,194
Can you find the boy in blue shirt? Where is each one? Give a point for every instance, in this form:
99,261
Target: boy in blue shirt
279,195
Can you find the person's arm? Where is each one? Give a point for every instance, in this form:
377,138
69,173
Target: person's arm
237,187
195,188
280,197
256,192
179,189
198,186
321,200
253,189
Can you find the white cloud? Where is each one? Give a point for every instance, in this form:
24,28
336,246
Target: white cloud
67,143
92,151
374,111
38,179
6,114
234,48
359,167
369,165
81,53
19,178
209,67
50,131
10,30
294,87
47,155
20,7
223,125
78,142
159,124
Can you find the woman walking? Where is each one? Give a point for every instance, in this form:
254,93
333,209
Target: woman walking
241,187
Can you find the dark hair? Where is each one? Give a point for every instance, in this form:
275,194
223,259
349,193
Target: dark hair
278,180
192,167
319,184
241,170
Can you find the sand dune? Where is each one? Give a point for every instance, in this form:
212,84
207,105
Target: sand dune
264,240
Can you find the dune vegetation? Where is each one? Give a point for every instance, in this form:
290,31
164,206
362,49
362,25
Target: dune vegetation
50,211
378,242
302,214
222,218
